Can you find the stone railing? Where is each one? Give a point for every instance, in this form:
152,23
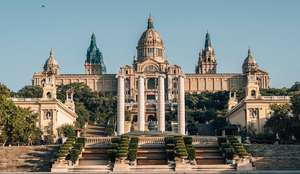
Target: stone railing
97,140
25,99
275,97
151,140
205,139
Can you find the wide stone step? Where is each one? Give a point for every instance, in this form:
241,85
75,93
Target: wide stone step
151,162
209,161
162,154
91,168
151,156
84,162
152,168
208,154
151,151
207,150
215,168
92,155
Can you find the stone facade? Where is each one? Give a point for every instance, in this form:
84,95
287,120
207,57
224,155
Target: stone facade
52,112
253,111
151,86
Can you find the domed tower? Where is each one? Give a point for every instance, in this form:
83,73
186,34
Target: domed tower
51,66
150,45
207,63
250,66
94,63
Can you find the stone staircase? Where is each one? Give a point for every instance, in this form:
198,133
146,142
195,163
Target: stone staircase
275,157
151,157
94,157
209,156
93,130
27,158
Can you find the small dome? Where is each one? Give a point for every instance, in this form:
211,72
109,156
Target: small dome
249,64
51,63
250,59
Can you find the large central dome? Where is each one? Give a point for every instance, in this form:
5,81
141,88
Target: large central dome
150,44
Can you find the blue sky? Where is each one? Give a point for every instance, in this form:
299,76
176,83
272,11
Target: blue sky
27,32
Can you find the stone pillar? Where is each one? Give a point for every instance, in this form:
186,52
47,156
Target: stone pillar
141,103
161,103
121,105
181,105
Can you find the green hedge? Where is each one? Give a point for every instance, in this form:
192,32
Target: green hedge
133,145
123,146
77,148
181,150
170,147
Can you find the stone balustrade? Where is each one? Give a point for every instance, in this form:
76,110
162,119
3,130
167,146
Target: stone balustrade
97,140
204,139
151,140
275,97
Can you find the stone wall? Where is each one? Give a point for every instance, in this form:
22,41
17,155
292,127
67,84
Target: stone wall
26,158
276,157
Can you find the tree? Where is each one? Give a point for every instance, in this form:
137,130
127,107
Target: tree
295,87
17,125
204,107
82,113
30,92
280,122
295,100
274,92
4,91
93,106
67,130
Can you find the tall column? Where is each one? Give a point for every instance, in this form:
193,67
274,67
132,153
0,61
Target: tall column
161,103
121,105
181,105
141,103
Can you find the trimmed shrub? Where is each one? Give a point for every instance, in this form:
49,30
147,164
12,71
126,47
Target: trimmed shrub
132,154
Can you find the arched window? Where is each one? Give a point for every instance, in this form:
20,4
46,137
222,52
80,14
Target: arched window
253,93
48,94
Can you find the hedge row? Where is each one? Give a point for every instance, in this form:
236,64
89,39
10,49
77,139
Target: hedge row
77,148
170,147
123,147
133,145
231,146
180,149
64,150
188,141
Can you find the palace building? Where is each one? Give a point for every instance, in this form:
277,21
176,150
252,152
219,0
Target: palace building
52,113
151,87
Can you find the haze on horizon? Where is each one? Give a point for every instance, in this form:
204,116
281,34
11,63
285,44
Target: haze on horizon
28,31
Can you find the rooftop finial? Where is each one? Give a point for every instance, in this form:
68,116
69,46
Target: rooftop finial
51,52
207,40
249,51
150,22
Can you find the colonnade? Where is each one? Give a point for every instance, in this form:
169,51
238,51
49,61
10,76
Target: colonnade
141,104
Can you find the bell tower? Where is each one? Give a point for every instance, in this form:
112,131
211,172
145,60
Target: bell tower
207,63
94,63
252,88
